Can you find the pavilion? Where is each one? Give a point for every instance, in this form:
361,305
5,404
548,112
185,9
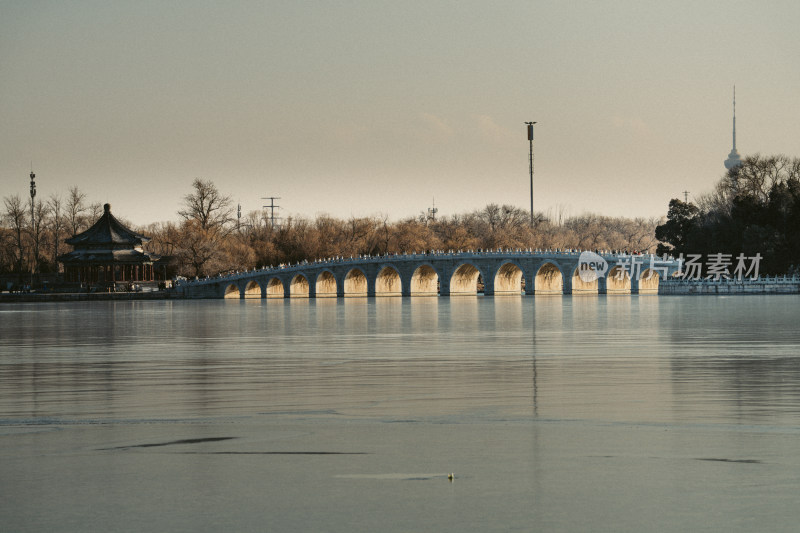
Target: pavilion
109,253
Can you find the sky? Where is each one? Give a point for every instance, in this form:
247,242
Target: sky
358,108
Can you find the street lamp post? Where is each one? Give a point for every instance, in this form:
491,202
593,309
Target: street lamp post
530,141
33,225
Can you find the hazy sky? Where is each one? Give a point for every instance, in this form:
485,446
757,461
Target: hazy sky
378,107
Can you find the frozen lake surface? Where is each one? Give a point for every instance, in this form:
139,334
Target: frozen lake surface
584,413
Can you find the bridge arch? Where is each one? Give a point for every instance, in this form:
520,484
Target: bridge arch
618,280
388,283
580,286
465,279
355,283
275,288
232,291
298,288
648,281
549,279
424,281
508,279
252,290
326,285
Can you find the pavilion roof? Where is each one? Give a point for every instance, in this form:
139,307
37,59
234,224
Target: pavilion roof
107,231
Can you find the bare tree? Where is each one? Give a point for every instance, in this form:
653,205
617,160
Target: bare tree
207,206
164,238
36,227
15,216
414,234
454,234
199,249
757,175
7,255
75,209
57,224
95,211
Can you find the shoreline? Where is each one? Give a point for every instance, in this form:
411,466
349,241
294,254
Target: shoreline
87,296
674,290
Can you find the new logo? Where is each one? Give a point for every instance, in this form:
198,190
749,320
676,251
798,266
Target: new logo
591,266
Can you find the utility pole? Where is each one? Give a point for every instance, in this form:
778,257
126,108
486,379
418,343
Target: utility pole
686,197
33,226
238,218
530,140
272,207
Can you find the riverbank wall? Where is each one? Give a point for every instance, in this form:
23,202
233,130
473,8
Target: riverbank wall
86,296
766,285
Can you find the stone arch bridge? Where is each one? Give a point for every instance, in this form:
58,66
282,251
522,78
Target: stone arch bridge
439,274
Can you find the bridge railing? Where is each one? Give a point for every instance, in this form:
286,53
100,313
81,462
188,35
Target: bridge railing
729,281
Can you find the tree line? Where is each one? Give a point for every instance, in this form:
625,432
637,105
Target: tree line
32,241
754,209
208,238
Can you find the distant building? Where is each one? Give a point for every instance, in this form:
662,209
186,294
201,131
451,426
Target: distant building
734,159
109,253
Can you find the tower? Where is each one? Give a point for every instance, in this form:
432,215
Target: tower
530,160
734,159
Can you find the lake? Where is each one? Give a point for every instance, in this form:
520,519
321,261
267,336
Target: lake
583,413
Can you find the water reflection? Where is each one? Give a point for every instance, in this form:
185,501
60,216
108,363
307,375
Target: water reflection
615,358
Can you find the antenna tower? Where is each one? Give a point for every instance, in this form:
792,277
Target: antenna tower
433,210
